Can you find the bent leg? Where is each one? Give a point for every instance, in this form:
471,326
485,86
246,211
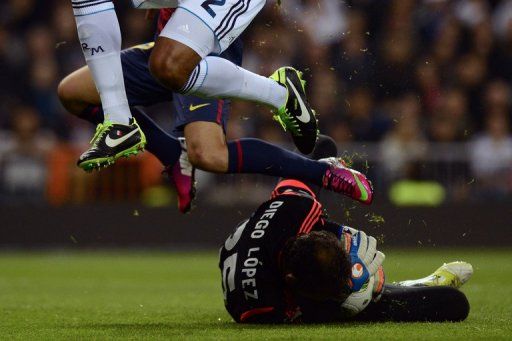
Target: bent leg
410,304
77,91
208,150
182,63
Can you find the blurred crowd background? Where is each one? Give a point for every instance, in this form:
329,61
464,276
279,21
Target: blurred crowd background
416,93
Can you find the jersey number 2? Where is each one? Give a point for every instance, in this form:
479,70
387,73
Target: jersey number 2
206,5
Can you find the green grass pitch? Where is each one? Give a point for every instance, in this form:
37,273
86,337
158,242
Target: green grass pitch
138,295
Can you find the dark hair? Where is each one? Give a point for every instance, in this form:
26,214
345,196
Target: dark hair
318,263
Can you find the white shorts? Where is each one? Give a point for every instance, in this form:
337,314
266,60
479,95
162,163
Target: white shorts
210,26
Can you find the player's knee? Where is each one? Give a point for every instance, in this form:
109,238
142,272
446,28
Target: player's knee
74,96
170,69
208,159
63,91
66,95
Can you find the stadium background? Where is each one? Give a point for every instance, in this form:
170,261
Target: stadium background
416,93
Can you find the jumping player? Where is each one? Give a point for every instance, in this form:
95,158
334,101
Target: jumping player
288,263
185,60
203,124
100,39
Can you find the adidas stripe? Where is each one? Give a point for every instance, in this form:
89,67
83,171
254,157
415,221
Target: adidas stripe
87,7
233,21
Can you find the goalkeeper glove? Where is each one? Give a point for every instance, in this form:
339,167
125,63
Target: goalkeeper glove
359,300
371,291
364,257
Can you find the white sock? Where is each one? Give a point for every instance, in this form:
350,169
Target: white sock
100,37
219,78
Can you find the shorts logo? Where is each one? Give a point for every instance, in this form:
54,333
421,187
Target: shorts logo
196,107
184,28
357,270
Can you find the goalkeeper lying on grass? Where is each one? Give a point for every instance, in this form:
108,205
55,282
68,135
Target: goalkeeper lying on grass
288,263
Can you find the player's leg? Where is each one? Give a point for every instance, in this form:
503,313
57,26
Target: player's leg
208,150
421,303
181,61
100,38
257,156
432,298
182,69
203,123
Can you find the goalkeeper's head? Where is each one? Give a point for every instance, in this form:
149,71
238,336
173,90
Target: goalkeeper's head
316,267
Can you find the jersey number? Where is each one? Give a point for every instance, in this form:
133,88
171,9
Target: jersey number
206,5
229,266
228,274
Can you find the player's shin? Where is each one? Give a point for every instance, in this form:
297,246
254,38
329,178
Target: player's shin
259,157
284,92
219,78
100,39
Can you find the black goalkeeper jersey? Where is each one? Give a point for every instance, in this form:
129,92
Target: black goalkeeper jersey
249,259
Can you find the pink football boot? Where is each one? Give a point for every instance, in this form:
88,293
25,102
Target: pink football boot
341,179
182,176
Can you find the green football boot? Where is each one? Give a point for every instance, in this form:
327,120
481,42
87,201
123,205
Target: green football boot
296,116
111,142
454,274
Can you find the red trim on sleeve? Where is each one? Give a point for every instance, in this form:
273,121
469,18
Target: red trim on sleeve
313,222
312,218
293,183
258,311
